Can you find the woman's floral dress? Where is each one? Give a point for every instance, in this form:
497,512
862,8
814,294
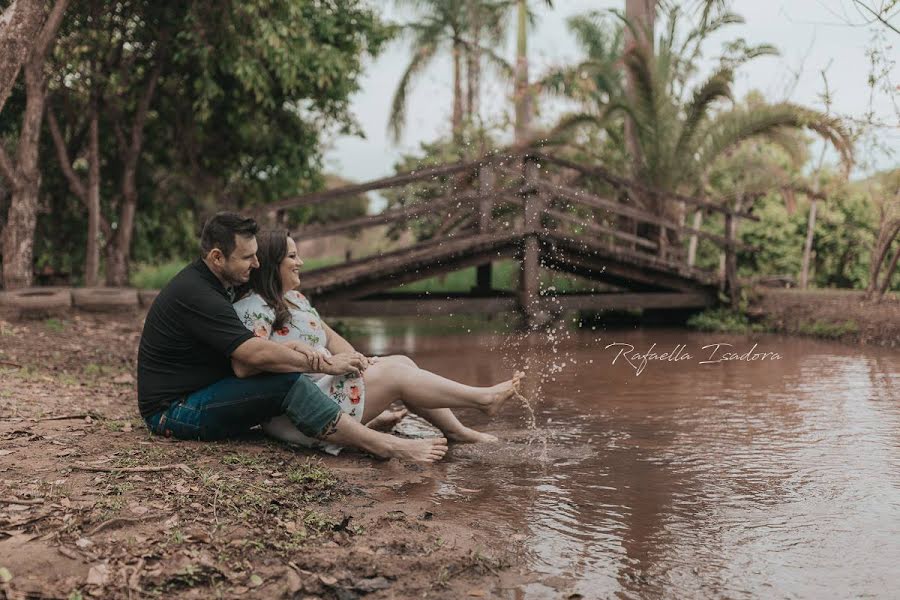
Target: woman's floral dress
305,326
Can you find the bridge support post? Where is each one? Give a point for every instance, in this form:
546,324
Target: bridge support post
731,284
485,210
530,284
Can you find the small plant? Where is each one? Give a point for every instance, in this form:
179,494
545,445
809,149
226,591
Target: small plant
54,325
724,320
825,329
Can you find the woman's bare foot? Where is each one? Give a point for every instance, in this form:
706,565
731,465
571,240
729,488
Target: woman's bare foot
387,419
497,395
470,436
427,450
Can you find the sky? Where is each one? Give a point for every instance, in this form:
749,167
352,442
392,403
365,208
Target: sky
811,35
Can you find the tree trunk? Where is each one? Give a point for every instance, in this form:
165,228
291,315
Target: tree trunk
888,275
18,235
457,90
522,97
92,251
641,14
119,249
692,247
19,25
807,246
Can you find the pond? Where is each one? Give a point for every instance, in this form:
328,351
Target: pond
776,473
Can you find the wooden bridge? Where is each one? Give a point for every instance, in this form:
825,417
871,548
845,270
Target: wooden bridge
538,209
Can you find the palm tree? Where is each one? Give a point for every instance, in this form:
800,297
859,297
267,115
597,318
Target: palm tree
680,137
460,26
522,92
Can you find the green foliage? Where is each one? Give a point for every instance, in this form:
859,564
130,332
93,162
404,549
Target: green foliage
723,320
155,277
246,94
827,329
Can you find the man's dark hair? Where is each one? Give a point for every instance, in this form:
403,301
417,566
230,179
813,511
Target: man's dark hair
220,231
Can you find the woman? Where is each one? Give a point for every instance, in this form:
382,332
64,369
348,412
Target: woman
277,311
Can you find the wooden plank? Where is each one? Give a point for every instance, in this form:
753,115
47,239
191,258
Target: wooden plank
593,201
586,246
616,272
600,229
388,216
621,182
393,181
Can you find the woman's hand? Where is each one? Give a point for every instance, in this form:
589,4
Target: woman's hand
346,362
317,360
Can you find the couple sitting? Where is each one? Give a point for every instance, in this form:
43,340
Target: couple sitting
209,369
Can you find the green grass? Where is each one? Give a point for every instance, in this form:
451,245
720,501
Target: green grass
155,277
825,329
724,320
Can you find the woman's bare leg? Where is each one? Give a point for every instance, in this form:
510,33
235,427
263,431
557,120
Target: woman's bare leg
349,432
428,394
387,419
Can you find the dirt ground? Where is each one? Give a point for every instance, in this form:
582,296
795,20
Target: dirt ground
835,314
91,505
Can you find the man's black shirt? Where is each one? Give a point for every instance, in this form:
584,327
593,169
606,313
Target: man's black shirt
188,337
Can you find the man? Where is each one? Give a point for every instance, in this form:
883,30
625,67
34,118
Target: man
186,385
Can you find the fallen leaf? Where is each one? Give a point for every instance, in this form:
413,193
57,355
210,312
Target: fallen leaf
5,575
328,580
476,593
255,580
84,543
5,452
124,378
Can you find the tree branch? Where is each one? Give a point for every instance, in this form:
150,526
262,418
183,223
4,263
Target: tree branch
877,16
8,169
48,31
75,183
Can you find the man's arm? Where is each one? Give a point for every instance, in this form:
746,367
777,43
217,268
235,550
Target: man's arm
257,355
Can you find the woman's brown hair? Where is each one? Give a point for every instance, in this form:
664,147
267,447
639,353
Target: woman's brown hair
266,281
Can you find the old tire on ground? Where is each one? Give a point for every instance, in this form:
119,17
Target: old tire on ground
29,299
147,297
101,299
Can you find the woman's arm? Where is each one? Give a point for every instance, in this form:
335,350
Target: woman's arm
335,343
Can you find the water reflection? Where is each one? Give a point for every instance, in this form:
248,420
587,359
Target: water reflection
736,479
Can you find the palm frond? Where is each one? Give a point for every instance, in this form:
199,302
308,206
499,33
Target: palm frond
717,87
734,127
397,118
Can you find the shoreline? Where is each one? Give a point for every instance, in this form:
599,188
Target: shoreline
832,314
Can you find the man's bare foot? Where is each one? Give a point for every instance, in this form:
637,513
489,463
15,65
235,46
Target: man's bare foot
387,419
497,395
470,436
427,450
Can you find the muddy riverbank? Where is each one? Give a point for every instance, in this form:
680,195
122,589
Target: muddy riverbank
829,314
91,504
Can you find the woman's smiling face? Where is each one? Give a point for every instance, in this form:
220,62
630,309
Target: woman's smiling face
289,269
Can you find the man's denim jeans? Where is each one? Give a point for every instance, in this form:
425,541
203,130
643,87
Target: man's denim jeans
232,406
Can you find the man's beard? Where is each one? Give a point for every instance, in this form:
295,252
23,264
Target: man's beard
234,279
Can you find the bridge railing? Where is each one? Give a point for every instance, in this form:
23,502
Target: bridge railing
554,194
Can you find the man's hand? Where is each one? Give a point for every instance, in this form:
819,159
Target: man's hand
346,362
317,360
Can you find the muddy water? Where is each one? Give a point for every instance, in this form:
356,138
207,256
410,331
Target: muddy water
774,477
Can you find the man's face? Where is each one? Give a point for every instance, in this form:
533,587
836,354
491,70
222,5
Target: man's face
236,268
